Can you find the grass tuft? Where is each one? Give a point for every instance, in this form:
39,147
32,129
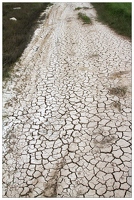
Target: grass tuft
116,15
79,8
84,18
85,8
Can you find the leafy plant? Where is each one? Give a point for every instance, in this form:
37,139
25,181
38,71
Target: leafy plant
84,18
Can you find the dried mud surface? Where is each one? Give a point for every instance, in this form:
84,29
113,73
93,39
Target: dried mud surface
67,111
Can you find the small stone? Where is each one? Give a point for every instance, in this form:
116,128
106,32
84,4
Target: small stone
17,8
13,19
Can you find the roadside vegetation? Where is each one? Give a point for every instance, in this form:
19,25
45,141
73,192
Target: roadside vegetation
84,18
79,8
18,31
116,15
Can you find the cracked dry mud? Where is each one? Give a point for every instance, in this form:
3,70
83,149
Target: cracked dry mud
65,134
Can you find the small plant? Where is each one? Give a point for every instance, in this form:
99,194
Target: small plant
84,18
78,8
85,8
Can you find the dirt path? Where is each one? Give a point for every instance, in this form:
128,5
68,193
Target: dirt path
67,111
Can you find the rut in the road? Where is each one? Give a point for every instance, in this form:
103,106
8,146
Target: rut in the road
66,128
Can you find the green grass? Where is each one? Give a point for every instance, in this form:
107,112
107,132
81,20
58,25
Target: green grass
79,8
17,34
84,18
116,15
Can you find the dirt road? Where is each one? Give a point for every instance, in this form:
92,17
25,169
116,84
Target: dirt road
67,111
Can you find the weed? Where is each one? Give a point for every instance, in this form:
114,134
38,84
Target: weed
78,8
84,18
116,15
119,91
85,8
